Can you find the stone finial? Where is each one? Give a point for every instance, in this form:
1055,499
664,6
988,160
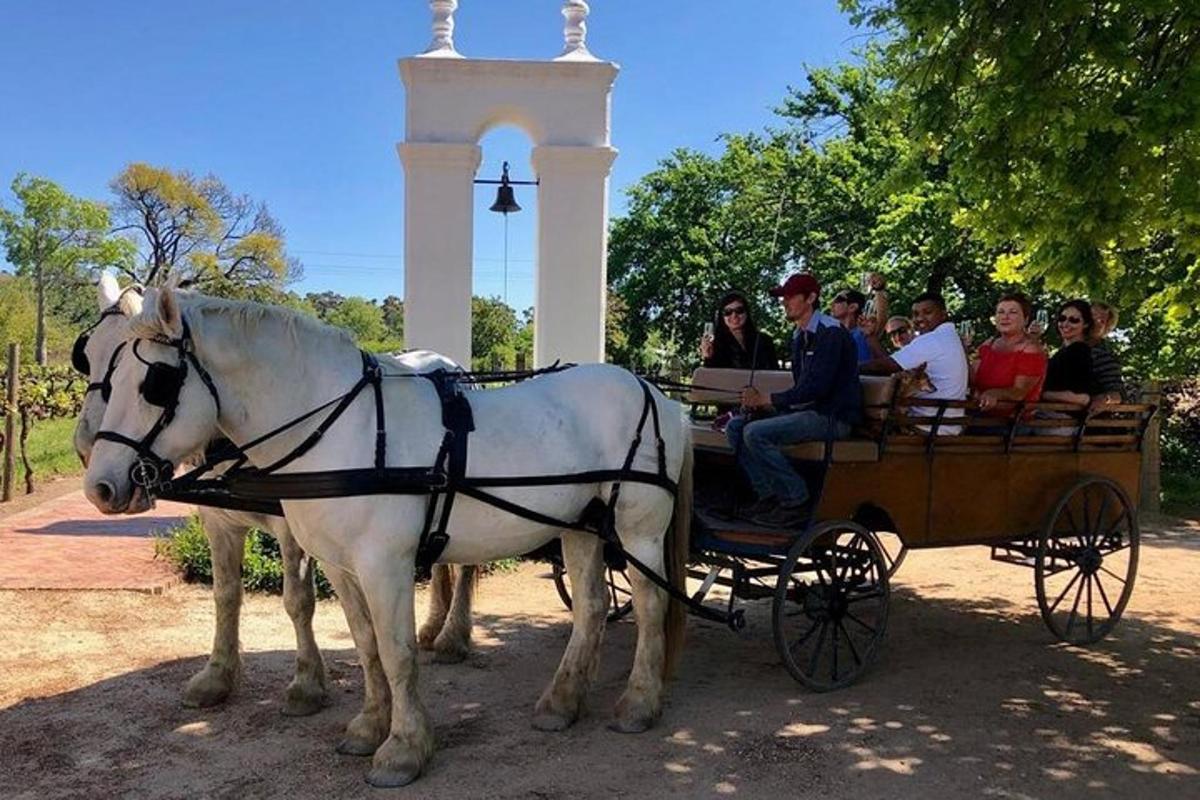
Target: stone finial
575,32
443,29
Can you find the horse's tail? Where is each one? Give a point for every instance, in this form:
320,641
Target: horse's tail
678,544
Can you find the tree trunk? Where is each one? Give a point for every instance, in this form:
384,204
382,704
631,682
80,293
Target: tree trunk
39,353
10,418
24,454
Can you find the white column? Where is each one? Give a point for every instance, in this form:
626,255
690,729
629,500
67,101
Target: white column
442,44
572,266
438,225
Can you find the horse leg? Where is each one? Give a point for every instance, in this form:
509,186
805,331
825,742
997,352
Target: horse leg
641,702
214,683
307,693
563,700
370,726
454,642
440,593
389,588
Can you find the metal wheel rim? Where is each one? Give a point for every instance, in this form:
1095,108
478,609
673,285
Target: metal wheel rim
1089,540
826,642
894,550
620,592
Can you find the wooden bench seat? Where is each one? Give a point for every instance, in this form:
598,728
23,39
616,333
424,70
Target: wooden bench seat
845,450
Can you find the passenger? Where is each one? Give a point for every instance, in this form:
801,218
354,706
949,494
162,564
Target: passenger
846,308
869,327
824,403
737,343
899,331
1069,372
1107,385
1012,366
940,349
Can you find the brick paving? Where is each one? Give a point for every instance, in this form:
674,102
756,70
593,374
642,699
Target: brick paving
65,543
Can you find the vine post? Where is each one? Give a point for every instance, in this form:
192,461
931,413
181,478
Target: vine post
10,418
1151,478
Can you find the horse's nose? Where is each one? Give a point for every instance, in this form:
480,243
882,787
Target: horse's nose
105,492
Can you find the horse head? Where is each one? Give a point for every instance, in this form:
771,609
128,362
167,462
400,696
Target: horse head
96,352
160,409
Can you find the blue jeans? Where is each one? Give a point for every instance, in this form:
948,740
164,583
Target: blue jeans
759,446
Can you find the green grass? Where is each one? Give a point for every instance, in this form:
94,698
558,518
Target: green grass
1181,493
51,450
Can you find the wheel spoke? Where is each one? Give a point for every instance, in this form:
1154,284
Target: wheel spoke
1071,519
833,669
1074,608
1108,571
1059,599
849,643
864,596
816,656
1089,606
860,622
800,642
1100,517
1103,594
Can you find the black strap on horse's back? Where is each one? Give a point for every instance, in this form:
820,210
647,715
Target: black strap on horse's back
451,461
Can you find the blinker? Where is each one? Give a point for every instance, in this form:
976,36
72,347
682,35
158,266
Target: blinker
162,384
79,358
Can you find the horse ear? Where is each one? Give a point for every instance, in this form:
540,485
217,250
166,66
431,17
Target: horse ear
170,318
131,302
107,290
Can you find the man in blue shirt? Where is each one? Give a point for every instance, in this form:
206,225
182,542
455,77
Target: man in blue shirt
847,308
824,403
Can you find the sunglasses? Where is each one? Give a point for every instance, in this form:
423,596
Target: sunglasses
729,312
1072,320
898,331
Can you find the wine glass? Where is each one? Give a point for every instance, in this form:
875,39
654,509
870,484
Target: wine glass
1041,322
966,332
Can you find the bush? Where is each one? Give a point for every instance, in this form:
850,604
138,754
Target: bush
1181,427
186,547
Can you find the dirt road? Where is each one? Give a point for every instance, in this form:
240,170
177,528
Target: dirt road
971,697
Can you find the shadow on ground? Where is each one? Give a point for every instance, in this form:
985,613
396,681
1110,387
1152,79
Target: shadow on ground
969,698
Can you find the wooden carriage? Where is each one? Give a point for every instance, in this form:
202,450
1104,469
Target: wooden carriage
1047,486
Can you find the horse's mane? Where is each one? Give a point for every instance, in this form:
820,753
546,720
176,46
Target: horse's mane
244,314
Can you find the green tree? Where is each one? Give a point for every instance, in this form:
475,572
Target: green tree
393,315
361,317
227,243
1071,130
493,333
52,237
323,303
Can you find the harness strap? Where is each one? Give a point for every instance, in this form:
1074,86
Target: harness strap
459,422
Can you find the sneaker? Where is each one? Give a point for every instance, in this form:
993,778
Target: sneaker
787,515
759,507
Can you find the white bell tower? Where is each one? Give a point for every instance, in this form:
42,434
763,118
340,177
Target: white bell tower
564,106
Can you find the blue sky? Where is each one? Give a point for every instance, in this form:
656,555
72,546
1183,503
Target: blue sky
299,103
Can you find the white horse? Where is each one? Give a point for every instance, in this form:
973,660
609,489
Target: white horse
268,366
447,630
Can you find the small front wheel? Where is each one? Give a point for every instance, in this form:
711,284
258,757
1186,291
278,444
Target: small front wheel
831,605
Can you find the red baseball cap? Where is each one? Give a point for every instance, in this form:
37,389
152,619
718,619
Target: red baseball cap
797,283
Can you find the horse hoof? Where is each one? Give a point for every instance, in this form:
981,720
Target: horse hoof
303,704
204,691
387,778
427,637
449,656
633,725
551,723
350,746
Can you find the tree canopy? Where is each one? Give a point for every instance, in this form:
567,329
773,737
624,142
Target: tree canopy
227,243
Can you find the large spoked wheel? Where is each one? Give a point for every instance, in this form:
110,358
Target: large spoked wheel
1086,561
831,605
894,550
620,593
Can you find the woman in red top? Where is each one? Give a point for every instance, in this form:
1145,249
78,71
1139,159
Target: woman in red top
1012,366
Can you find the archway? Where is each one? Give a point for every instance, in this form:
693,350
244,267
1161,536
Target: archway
563,105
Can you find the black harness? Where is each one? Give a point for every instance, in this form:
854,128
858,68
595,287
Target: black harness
260,489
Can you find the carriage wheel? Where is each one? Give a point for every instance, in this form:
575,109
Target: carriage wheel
831,605
1086,561
620,593
894,550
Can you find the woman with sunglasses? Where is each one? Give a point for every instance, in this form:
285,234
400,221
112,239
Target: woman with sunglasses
1069,373
737,343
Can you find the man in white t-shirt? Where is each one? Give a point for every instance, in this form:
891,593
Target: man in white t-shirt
939,348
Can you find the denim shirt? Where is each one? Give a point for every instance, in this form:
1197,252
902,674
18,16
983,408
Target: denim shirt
825,370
